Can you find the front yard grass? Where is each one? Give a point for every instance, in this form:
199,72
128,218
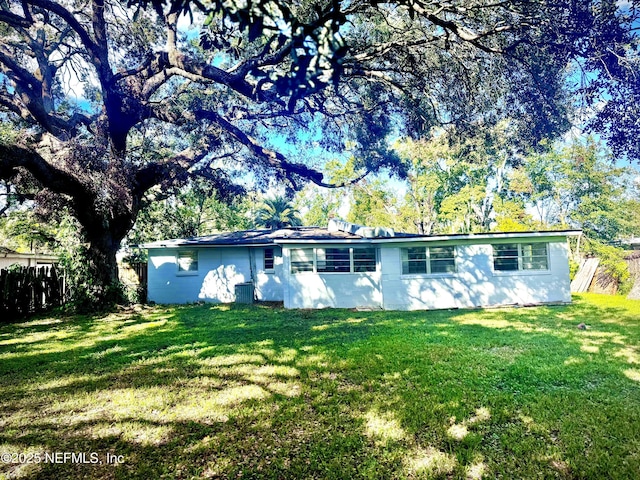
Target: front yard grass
259,392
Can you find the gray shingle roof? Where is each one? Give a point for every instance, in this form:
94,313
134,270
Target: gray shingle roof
257,237
318,234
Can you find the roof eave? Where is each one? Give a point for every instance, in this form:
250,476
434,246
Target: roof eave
440,238
179,243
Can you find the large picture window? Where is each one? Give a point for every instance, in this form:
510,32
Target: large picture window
428,260
509,257
187,261
333,260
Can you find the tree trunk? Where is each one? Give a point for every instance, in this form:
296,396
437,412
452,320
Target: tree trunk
97,282
101,258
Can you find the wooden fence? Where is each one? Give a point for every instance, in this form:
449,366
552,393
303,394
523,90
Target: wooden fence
133,274
633,260
28,290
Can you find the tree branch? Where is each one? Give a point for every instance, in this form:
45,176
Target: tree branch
71,21
154,173
14,20
12,104
273,158
13,157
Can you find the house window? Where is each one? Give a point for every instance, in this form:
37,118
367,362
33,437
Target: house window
428,260
520,256
505,257
268,258
414,260
364,259
534,256
187,261
302,260
333,260
442,259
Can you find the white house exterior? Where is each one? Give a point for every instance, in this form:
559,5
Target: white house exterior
346,266
9,257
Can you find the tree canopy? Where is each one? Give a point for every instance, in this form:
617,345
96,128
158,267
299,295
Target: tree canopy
466,188
107,101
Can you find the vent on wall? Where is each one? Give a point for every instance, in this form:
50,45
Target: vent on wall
337,225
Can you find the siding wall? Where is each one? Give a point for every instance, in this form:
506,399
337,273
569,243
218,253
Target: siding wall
219,271
335,290
268,284
474,284
27,260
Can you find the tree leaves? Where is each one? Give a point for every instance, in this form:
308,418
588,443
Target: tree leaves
277,212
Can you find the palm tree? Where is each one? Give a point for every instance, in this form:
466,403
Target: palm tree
277,212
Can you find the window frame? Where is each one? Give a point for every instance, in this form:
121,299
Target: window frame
362,261
333,260
523,259
183,254
406,259
339,268
428,261
271,259
305,262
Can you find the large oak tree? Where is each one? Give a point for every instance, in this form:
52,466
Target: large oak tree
107,101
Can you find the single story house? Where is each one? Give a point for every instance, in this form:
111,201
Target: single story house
350,266
10,257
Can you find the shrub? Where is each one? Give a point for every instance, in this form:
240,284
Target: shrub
612,260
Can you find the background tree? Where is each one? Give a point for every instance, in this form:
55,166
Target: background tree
452,185
472,186
464,211
373,202
317,205
277,212
579,186
189,211
157,107
369,201
511,215
429,161
22,231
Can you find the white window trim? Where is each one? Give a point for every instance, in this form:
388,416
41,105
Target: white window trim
313,261
187,273
428,264
264,259
351,271
520,270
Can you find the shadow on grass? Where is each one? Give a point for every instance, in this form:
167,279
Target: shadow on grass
225,391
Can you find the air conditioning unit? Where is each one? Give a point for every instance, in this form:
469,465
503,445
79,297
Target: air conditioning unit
244,292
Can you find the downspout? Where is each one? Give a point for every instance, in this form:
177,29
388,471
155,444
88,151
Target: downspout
252,274
379,274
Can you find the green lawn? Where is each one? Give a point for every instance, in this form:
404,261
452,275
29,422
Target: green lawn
258,392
